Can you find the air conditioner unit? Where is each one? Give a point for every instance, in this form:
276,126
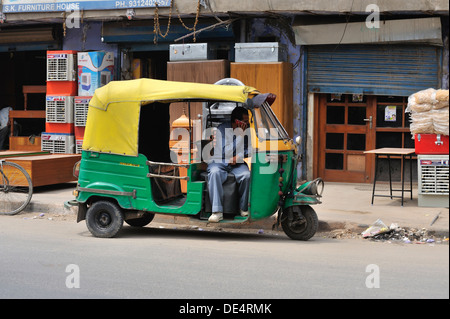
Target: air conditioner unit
61,66
58,143
81,105
79,145
433,178
59,109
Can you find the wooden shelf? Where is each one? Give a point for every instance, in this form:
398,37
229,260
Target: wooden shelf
32,89
22,143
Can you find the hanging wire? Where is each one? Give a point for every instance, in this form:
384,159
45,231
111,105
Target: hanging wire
157,26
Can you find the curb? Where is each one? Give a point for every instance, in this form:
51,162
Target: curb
265,224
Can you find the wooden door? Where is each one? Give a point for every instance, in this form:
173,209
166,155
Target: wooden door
344,129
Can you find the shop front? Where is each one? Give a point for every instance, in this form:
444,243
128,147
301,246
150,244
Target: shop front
23,64
362,95
357,94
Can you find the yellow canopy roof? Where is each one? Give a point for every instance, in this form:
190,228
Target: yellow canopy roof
113,116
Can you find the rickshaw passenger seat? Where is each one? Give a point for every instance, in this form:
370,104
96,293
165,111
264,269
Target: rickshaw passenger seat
230,194
164,189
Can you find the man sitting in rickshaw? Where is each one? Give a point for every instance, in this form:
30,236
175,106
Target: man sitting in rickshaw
230,150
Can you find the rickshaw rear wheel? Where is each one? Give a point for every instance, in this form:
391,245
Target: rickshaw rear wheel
301,226
104,219
141,221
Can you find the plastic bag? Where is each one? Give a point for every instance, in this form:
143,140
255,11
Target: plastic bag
440,121
422,123
415,106
428,111
442,99
427,96
377,228
420,108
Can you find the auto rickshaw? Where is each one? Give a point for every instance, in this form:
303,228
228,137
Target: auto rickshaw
127,173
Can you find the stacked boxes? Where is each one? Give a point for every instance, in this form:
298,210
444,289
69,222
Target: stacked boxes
59,114
95,69
58,142
81,104
72,78
61,89
429,112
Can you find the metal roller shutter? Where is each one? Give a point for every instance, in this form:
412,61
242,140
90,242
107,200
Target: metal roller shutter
30,39
373,69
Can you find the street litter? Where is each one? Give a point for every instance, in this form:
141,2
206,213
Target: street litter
435,218
377,228
380,232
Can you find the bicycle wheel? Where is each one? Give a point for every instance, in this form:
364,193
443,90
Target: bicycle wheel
16,188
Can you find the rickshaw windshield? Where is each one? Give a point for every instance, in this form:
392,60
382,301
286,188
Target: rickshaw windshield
267,125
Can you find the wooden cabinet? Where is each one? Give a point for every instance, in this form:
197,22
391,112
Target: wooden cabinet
209,71
273,77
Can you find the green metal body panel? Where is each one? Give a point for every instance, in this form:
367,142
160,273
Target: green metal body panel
265,182
124,179
128,174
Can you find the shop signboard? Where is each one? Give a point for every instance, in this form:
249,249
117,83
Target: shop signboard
18,6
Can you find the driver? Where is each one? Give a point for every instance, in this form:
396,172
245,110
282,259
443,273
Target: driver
230,150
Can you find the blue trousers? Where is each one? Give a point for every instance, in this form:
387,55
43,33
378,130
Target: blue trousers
217,174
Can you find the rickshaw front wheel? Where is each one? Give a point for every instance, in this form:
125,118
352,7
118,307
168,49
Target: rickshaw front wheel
104,219
299,222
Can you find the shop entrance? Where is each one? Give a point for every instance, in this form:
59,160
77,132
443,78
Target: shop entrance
21,71
149,64
346,125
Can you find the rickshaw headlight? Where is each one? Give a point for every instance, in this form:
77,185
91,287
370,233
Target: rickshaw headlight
312,189
319,186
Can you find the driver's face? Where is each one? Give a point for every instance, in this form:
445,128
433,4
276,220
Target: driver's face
244,123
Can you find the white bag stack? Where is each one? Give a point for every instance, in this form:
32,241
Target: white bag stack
429,112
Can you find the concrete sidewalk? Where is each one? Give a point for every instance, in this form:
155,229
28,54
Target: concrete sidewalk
344,206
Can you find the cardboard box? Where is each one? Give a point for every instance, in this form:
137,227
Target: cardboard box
95,69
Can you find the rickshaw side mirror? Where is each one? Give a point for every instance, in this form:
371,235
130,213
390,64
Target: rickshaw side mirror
298,140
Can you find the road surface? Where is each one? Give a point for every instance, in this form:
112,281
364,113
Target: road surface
58,258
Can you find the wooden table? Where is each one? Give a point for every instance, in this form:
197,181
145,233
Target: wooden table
388,152
48,169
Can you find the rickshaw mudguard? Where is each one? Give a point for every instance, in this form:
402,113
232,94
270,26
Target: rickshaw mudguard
305,194
106,190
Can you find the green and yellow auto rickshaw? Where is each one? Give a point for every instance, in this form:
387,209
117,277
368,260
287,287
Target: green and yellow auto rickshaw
128,173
